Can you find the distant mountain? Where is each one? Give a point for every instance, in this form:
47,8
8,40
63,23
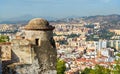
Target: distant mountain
103,18
23,19
106,21
113,19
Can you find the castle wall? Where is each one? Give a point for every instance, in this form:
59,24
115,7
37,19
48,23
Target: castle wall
35,52
5,51
41,35
21,51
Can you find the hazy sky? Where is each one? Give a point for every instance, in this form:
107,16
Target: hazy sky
58,8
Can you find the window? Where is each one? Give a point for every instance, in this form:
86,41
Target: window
23,37
37,41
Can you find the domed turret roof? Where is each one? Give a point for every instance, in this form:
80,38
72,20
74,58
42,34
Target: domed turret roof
38,24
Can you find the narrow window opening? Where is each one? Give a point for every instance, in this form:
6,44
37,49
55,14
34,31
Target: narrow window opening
23,37
37,41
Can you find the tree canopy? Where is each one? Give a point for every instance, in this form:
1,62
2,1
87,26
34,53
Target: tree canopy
60,66
4,38
102,70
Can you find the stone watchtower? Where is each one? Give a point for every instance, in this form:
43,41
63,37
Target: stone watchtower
40,34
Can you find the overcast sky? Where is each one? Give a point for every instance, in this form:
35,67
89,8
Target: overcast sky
58,8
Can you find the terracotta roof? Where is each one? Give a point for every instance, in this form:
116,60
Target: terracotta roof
5,43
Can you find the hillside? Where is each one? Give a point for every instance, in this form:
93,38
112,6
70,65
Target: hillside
108,21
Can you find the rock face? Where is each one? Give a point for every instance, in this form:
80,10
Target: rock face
43,50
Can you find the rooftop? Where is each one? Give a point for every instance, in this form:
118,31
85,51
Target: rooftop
38,24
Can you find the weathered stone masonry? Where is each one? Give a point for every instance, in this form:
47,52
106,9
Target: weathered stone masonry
34,49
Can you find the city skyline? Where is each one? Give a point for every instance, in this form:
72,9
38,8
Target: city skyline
55,8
